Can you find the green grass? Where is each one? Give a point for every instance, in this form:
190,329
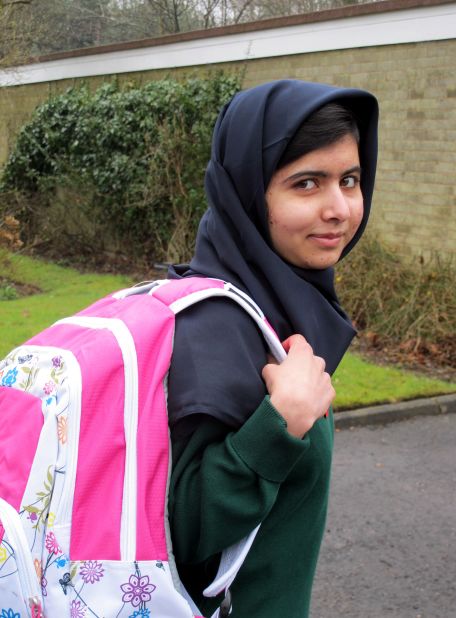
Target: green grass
65,291
360,383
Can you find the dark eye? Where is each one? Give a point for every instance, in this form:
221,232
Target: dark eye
349,182
307,184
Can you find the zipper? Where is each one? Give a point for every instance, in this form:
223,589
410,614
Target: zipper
26,571
36,608
127,347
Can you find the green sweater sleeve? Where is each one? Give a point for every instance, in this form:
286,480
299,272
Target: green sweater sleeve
224,483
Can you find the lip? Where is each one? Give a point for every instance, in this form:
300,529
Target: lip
326,240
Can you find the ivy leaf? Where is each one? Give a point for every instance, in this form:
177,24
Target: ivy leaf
50,477
73,570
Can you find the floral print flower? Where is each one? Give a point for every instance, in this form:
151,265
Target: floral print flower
44,584
38,568
3,554
50,519
8,380
57,361
140,613
137,589
32,516
77,609
91,571
9,613
51,544
24,359
61,562
49,387
62,429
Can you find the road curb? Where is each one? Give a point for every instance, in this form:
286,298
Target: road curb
394,412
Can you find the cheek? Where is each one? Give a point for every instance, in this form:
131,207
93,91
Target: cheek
278,222
291,215
280,233
283,228
356,216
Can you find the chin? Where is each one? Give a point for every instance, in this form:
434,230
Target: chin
318,264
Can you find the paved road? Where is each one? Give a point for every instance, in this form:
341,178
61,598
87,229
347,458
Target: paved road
390,545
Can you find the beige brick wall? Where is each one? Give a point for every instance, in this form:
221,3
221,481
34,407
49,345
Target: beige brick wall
415,200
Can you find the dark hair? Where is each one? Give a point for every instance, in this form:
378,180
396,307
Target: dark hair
326,125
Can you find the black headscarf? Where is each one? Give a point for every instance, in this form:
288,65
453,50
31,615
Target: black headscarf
251,133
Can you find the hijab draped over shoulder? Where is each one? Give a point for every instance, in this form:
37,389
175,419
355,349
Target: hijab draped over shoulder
251,133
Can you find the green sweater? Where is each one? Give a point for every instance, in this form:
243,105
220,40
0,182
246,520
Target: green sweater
225,483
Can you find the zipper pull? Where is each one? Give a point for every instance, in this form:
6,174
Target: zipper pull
36,608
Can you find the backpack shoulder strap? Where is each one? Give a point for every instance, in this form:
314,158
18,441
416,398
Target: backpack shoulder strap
179,294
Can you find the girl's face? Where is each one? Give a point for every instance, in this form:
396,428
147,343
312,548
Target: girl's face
315,205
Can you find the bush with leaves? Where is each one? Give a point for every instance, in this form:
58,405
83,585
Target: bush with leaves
409,305
118,169
9,241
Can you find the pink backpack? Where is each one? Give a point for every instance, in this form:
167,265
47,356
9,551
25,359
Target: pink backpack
84,466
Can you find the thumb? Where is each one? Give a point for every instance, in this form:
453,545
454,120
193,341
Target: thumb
268,373
293,340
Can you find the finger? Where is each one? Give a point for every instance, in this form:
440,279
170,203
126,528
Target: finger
331,391
293,340
266,373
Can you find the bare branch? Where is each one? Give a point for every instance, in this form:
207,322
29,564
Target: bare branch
241,12
13,2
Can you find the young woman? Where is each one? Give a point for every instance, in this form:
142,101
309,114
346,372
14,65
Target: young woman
289,187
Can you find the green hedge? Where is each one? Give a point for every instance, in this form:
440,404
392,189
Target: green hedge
409,305
117,169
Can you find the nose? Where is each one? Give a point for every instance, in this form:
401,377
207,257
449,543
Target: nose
336,205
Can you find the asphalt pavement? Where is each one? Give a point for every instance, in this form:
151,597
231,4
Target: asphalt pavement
390,544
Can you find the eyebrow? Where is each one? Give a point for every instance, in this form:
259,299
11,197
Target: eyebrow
321,173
